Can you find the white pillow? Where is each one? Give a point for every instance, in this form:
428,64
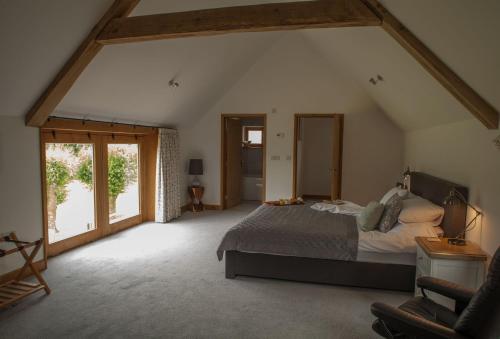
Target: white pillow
396,190
418,210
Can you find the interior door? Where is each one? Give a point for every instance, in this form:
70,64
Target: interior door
233,162
318,175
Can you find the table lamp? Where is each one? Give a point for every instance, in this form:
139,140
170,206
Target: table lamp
454,198
196,168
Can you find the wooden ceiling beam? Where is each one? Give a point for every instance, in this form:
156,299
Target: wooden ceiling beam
66,77
252,18
478,106
116,27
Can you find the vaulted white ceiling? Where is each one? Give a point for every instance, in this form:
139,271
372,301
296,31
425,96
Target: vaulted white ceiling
130,82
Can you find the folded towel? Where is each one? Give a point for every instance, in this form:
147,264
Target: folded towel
348,208
323,206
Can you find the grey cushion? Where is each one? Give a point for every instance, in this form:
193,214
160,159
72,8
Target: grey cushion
391,213
369,217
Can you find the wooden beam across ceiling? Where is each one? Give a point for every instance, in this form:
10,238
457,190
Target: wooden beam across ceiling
252,18
478,106
66,77
116,27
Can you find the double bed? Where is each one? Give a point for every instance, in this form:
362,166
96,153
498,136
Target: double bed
301,244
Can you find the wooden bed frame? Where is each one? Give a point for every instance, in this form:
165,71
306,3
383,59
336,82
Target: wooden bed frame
352,273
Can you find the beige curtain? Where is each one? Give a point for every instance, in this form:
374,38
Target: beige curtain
168,197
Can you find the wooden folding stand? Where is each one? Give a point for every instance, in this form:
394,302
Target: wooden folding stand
16,289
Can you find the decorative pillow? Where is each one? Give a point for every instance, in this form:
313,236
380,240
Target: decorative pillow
421,210
395,190
369,217
391,213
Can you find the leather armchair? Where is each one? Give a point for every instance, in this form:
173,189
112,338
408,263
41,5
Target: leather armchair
476,314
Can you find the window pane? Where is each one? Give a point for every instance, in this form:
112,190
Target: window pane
255,137
123,181
70,189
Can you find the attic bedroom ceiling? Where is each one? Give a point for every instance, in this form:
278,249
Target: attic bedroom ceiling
130,82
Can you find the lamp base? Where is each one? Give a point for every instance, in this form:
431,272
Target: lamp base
196,182
457,241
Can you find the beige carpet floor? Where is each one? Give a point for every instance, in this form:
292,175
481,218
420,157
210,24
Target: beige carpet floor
164,281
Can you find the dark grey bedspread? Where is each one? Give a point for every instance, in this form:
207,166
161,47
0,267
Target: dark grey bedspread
294,231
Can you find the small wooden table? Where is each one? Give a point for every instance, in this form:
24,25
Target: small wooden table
196,193
443,250
16,289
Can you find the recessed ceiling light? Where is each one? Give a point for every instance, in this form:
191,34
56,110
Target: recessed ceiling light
173,83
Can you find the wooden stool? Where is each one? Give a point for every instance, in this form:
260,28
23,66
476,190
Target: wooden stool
16,289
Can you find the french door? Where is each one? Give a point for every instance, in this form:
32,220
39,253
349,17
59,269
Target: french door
123,182
92,186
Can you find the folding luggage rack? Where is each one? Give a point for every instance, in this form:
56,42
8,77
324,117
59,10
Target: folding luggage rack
17,289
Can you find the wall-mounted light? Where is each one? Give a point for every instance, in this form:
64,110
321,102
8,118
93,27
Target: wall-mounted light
376,79
173,83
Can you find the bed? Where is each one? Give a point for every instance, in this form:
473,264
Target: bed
340,264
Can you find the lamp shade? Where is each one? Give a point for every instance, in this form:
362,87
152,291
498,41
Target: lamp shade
195,167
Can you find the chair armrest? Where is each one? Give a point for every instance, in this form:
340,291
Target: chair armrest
446,288
410,324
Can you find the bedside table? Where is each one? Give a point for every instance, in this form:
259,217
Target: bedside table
463,265
196,193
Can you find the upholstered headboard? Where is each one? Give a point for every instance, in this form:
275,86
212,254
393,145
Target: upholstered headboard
436,190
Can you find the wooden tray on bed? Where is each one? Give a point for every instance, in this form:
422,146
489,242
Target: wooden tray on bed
290,202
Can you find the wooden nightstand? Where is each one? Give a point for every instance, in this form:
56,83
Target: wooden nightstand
463,265
196,193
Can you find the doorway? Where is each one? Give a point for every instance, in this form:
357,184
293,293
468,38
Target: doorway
243,154
317,165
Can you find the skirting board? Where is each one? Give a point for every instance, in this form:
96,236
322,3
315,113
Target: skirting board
187,208
40,265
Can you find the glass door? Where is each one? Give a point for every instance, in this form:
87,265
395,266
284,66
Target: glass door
93,185
69,170
123,179
70,176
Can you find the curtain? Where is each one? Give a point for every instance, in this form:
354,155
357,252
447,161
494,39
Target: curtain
168,197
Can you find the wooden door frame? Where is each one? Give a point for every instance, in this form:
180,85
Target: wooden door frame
223,151
296,120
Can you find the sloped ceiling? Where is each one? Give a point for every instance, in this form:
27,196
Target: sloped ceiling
36,39
408,93
130,82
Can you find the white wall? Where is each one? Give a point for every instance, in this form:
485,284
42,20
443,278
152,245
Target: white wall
20,193
464,153
291,78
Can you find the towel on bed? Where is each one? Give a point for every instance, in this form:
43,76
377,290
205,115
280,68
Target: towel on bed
347,207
